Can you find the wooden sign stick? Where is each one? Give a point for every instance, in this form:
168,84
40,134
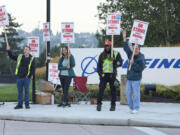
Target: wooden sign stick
68,55
132,58
112,47
7,43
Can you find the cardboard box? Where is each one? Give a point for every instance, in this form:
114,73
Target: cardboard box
43,98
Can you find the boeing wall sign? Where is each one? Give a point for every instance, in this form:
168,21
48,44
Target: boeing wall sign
162,64
89,61
156,63
159,63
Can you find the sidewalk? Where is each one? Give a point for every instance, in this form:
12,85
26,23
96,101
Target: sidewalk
150,115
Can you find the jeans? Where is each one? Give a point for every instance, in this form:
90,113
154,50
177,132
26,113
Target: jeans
133,94
102,85
65,83
23,83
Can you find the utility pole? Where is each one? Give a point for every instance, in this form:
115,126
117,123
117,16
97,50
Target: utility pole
48,42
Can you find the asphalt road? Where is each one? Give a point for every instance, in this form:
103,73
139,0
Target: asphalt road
34,128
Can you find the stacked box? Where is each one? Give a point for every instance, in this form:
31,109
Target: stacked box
43,98
45,94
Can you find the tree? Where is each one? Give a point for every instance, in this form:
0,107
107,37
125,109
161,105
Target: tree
41,61
55,52
7,65
162,15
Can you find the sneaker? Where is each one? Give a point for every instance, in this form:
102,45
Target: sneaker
130,111
27,106
98,108
60,105
113,108
67,104
134,111
18,107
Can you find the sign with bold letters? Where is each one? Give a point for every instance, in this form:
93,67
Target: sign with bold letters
33,43
53,74
67,32
3,16
46,32
113,24
138,32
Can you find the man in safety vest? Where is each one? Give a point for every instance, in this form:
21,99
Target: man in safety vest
24,72
107,73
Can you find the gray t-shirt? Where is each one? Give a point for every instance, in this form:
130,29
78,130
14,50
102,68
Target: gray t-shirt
65,63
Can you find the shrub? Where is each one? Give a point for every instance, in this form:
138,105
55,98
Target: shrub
166,91
41,73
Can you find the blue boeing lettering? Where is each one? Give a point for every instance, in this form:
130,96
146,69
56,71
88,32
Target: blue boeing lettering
147,62
125,64
89,64
166,63
154,63
177,64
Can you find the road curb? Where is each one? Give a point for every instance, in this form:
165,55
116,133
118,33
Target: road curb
90,121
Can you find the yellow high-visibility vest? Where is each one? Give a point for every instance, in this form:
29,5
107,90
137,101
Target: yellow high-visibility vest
19,62
108,64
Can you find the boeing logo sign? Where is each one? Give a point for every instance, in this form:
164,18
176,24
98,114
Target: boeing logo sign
162,64
150,63
89,61
158,63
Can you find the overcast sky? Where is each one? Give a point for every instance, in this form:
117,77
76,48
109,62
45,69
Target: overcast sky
32,13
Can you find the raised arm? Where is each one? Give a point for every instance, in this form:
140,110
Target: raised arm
126,46
10,53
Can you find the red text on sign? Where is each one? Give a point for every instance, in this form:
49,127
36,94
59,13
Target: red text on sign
137,36
138,30
113,21
67,30
33,45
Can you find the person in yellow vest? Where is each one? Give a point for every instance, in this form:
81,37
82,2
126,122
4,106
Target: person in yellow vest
24,72
107,73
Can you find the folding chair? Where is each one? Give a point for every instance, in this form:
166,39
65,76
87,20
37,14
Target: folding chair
80,91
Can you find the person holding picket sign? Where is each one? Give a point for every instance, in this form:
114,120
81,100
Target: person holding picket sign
134,74
65,66
24,71
107,73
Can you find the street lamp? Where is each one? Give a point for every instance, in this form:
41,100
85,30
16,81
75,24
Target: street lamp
48,42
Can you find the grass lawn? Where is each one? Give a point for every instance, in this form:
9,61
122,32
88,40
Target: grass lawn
9,93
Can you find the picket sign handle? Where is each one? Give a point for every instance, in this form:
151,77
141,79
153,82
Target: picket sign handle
55,86
46,52
112,46
68,55
7,43
52,96
132,58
